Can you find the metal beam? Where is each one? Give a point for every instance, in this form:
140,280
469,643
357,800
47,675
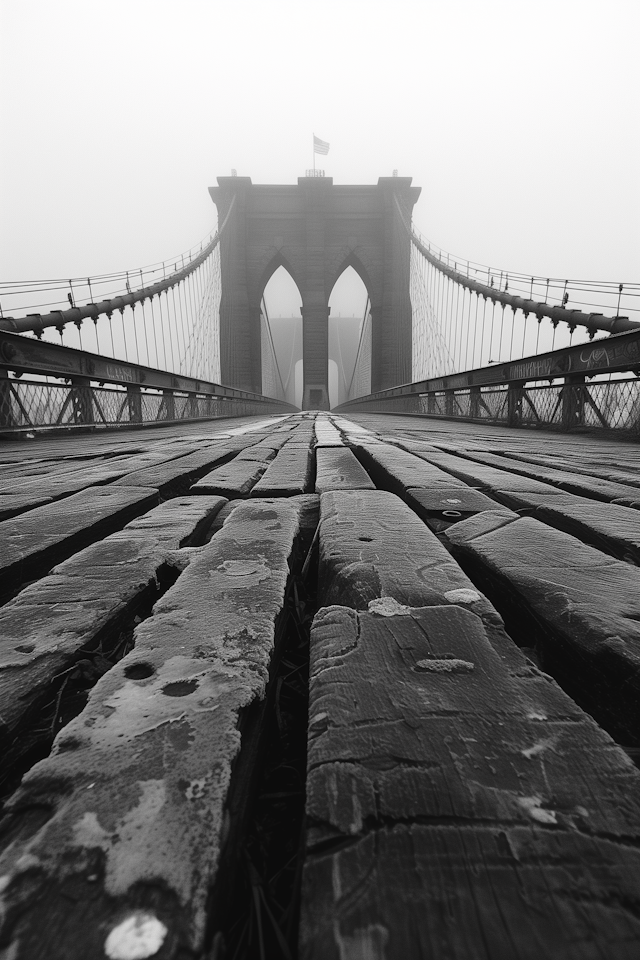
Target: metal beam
23,354
616,354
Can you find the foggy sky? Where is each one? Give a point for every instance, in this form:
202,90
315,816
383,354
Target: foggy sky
520,122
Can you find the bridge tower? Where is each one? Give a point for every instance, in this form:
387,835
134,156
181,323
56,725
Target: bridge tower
315,230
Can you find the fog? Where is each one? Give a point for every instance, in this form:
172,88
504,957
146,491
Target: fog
520,122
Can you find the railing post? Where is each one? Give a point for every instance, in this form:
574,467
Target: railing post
134,403
474,403
449,404
81,400
572,394
169,404
7,419
193,406
515,394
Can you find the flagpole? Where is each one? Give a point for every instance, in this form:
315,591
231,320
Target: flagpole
314,152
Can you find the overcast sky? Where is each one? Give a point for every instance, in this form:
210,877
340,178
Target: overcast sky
519,120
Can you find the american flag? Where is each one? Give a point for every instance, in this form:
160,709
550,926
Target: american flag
320,146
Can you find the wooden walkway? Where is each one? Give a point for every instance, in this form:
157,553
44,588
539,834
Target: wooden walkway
316,687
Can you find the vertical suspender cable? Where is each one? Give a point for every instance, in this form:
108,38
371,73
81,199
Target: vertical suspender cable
168,324
176,329
475,331
124,334
155,332
135,331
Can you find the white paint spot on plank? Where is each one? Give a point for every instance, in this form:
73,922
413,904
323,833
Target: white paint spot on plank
388,607
256,569
89,833
463,595
538,748
447,665
533,806
196,789
140,935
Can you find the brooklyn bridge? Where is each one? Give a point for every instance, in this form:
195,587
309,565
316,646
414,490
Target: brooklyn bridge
319,635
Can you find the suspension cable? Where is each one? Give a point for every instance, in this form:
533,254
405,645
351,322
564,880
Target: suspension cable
592,321
37,322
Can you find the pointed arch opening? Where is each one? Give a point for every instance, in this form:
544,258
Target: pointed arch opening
281,337
349,329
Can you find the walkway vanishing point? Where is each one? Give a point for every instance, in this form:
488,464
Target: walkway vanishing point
307,686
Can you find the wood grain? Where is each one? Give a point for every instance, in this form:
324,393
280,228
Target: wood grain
454,809
586,606
338,469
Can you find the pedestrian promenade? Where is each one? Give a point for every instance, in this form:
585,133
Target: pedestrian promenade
320,687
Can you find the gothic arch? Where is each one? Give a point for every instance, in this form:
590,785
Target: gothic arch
274,264
351,260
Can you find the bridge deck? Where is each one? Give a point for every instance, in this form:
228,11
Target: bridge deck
320,687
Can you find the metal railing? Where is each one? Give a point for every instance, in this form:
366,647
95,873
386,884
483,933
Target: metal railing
582,387
75,389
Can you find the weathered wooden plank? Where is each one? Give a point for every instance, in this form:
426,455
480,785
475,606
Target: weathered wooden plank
136,789
595,487
448,505
51,624
449,893
338,469
55,530
479,523
238,477
70,481
487,478
72,477
30,469
399,469
233,479
586,606
326,433
353,432
303,431
14,504
372,545
608,526
184,470
622,471
437,776
262,452
181,520
287,475
347,425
